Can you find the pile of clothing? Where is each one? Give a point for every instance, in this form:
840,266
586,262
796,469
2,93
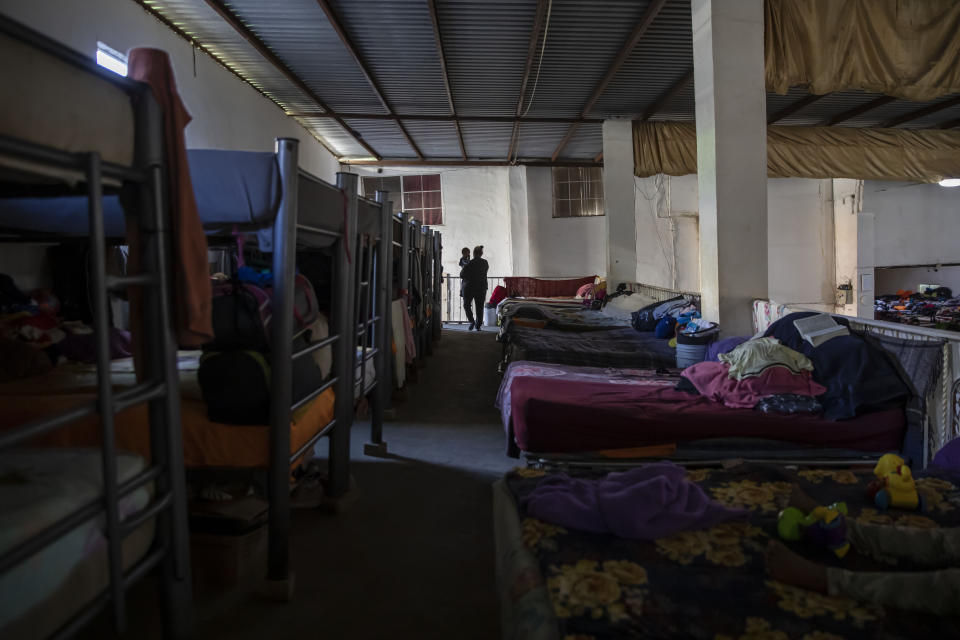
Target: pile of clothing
663,317
761,373
934,308
34,337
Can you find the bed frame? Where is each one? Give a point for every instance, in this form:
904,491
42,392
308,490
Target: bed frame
411,244
158,389
311,214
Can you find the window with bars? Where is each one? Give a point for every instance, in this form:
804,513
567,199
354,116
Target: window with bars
421,198
577,192
391,184
419,195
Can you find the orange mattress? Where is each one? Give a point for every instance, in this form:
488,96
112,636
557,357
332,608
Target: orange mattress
206,444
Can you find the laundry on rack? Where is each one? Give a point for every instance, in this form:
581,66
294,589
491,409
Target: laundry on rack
646,503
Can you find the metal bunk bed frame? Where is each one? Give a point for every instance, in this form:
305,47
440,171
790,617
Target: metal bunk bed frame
159,386
413,236
360,307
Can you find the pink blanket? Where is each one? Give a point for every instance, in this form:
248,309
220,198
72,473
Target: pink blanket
712,381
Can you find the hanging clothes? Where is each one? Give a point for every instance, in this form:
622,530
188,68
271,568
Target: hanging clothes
192,294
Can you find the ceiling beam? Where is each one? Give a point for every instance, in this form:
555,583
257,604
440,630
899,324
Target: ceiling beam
435,19
284,70
949,124
531,52
653,9
415,162
857,111
667,96
795,106
920,113
367,73
193,43
440,118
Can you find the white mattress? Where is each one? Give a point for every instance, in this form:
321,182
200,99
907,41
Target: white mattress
53,103
37,488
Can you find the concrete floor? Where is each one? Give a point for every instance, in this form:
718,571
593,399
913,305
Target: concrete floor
413,556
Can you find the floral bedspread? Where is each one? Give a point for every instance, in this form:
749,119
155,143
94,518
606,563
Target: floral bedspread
709,583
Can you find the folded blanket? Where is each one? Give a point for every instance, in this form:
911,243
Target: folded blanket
646,503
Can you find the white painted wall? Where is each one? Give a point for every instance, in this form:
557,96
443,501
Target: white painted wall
846,207
800,241
227,112
558,247
800,237
618,194
476,211
519,221
915,224
892,280
509,210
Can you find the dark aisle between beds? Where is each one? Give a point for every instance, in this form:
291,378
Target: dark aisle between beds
413,557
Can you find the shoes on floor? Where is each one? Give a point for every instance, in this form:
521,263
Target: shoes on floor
471,327
479,327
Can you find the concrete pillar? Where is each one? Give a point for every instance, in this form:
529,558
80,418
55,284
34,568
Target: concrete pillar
731,158
519,222
618,196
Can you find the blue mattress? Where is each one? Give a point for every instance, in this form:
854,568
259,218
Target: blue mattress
231,188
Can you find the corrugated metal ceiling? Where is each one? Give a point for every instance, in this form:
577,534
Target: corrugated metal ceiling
486,45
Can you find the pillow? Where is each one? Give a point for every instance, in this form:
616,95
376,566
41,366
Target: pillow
585,290
858,376
712,379
621,307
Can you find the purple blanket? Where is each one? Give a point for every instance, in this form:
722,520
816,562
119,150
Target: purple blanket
646,377
646,503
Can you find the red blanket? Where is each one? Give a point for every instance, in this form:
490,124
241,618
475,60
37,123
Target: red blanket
535,287
555,415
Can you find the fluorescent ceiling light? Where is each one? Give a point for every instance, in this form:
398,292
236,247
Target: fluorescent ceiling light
950,182
111,59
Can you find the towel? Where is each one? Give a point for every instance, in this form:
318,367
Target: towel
192,294
646,503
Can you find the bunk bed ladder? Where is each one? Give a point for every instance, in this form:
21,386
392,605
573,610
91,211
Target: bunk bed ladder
101,321
160,345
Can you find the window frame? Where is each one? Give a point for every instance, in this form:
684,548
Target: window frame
582,181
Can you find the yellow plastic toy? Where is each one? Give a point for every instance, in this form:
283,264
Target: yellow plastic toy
894,486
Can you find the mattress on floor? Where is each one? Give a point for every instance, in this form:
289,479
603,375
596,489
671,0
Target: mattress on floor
206,444
551,414
624,348
38,488
557,582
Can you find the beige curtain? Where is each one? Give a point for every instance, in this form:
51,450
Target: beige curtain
922,155
904,48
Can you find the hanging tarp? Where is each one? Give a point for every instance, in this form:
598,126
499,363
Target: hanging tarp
904,48
922,155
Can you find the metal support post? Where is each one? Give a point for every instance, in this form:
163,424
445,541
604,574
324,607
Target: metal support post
345,352
281,360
